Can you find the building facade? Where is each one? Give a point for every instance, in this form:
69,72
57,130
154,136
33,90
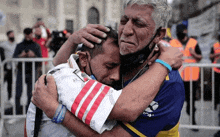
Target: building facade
183,10
57,14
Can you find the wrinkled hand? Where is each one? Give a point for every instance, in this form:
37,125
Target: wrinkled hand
171,55
45,96
31,54
91,32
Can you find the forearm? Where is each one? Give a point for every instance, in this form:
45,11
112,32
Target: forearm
64,52
78,128
197,57
212,56
137,96
82,130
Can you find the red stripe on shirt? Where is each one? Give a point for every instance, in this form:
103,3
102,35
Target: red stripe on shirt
96,105
88,100
81,95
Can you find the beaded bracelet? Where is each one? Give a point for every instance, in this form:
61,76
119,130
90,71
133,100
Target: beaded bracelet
164,64
59,114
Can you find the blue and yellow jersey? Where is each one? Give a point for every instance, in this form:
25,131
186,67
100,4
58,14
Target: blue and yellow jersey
163,113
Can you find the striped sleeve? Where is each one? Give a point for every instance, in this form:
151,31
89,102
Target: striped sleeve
94,104
90,101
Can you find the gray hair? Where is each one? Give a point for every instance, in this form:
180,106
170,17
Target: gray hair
162,11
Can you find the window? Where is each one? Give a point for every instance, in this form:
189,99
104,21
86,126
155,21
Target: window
69,25
93,16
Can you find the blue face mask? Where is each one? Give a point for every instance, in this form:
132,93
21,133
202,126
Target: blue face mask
93,77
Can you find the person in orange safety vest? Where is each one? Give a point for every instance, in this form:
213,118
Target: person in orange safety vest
215,58
192,54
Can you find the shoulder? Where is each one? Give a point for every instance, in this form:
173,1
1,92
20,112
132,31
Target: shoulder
174,81
193,40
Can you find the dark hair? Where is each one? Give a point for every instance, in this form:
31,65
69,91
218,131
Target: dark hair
27,31
180,28
98,47
9,32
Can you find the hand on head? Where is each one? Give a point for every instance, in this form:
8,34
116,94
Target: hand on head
90,33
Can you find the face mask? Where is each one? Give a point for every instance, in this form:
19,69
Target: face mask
38,36
12,39
181,35
136,59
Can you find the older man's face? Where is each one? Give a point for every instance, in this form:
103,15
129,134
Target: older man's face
136,28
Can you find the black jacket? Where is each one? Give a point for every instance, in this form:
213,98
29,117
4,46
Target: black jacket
26,46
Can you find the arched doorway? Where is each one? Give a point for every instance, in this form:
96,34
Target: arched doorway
93,16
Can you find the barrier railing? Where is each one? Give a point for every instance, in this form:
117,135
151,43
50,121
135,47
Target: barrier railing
203,121
14,62
3,91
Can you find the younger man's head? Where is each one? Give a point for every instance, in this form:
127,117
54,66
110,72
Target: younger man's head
103,61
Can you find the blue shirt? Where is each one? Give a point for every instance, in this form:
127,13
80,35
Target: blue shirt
164,111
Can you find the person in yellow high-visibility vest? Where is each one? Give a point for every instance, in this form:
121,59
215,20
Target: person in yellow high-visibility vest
192,54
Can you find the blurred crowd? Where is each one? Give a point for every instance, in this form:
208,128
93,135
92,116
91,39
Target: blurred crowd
33,45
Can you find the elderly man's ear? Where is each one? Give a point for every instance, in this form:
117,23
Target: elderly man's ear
84,57
160,35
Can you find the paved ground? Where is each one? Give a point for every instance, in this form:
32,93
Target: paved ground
209,119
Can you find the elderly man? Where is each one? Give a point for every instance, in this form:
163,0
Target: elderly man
140,29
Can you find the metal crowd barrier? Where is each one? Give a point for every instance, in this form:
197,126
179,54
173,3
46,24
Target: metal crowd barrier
204,123
3,91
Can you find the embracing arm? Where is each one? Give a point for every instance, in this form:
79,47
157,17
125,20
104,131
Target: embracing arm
82,130
137,95
46,94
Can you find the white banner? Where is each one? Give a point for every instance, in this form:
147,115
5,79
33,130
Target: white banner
203,23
